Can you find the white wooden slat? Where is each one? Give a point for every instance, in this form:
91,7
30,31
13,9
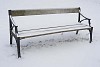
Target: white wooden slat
53,30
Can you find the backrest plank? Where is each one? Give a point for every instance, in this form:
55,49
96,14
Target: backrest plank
43,11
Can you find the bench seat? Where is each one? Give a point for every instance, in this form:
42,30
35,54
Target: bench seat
51,30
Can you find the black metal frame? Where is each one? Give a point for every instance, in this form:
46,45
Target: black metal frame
15,27
14,34
85,18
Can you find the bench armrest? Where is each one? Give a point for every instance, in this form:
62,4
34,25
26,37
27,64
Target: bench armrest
12,21
85,18
13,26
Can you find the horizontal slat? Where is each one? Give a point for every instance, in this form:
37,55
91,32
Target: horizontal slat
44,11
47,31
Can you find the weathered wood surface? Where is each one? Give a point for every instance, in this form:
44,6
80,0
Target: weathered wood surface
44,11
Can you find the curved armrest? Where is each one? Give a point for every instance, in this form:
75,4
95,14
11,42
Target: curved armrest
13,25
85,18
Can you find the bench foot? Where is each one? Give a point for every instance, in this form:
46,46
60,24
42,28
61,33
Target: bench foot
91,30
18,47
77,32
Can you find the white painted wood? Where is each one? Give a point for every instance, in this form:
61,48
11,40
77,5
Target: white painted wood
66,28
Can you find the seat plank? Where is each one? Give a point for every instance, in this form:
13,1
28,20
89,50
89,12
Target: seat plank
52,30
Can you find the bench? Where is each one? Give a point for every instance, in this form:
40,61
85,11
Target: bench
18,35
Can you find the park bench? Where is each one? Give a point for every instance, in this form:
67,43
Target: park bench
17,34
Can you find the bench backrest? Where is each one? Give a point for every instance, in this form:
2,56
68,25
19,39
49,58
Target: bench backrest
43,11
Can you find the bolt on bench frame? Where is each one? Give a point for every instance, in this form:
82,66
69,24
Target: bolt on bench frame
13,13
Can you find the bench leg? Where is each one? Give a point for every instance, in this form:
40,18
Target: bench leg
90,30
18,47
77,32
11,37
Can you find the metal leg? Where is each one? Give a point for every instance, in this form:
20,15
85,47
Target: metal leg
11,38
77,32
18,47
90,30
